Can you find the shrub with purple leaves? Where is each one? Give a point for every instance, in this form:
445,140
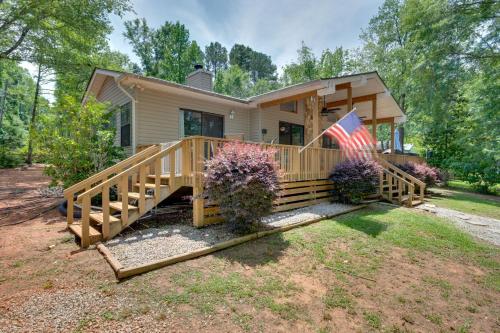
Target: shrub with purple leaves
355,179
243,180
429,175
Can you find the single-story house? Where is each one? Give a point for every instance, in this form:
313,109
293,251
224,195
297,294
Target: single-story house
170,129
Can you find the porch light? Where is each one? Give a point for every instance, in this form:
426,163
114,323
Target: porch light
231,114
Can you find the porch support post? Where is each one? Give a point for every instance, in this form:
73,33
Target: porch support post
349,98
392,137
198,201
374,118
316,120
311,120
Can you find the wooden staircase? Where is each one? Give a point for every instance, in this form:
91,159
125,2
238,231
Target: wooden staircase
399,187
138,185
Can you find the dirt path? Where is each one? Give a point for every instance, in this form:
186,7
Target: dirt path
19,194
485,228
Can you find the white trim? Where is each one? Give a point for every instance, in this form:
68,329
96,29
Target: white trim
133,100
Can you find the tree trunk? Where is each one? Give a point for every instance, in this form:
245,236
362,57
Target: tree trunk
29,158
2,105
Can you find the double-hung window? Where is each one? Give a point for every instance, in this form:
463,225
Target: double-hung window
126,125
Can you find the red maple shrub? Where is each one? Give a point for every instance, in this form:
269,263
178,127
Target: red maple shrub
353,180
243,180
429,175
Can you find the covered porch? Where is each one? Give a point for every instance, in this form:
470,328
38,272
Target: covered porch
327,100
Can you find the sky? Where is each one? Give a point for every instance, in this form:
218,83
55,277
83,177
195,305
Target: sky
274,27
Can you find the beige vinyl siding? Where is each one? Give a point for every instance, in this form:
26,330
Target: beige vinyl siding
255,126
111,93
157,116
271,116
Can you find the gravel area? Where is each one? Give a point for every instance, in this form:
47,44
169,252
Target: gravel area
305,214
485,228
153,244
61,311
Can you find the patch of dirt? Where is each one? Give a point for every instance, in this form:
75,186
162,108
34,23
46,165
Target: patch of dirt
19,194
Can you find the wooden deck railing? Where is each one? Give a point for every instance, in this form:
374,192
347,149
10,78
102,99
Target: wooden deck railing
87,184
182,163
407,177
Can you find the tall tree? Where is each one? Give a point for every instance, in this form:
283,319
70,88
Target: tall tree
215,57
305,69
28,26
259,65
49,33
16,97
333,63
233,81
166,52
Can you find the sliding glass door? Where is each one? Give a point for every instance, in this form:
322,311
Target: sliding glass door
291,134
201,123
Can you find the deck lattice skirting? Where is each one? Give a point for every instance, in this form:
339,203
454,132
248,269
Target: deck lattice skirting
145,179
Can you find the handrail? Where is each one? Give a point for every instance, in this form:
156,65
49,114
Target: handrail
397,177
405,174
411,187
114,180
106,172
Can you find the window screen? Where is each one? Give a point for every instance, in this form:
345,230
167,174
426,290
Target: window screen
125,124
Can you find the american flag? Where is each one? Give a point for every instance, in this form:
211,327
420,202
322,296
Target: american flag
352,136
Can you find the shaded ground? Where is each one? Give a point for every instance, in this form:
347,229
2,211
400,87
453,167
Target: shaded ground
407,271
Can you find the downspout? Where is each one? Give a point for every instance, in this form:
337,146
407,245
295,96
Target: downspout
134,101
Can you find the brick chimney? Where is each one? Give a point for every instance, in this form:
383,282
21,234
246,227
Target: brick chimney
200,78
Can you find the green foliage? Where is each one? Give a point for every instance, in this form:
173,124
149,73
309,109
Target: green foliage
77,140
259,65
233,82
215,57
166,52
16,89
440,59
305,69
38,32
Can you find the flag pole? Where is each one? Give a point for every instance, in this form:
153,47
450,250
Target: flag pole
319,136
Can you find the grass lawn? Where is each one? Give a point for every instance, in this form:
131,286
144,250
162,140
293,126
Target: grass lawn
467,202
381,269
465,186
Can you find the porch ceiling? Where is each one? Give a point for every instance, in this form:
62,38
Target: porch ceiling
371,85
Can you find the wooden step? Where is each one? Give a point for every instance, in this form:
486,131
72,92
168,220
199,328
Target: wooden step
94,235
151,186
137,196
117,205
99,218
416,202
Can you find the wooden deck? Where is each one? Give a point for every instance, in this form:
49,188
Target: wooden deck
150,176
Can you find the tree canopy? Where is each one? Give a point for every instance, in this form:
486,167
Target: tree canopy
440,58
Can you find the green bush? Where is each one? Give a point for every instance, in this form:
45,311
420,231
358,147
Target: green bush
77,141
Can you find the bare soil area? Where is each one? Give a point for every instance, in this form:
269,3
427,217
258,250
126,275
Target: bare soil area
362,272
